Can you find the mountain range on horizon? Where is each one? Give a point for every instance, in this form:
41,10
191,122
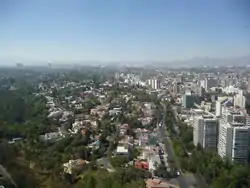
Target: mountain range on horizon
192,62
210,61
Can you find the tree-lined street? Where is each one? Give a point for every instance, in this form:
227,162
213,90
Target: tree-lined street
169,150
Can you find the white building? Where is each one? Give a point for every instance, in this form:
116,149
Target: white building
153,161
218,109
202,83
154,83
122,150
205,131
231,89
197,90
240,100
176,89
234,135
234,141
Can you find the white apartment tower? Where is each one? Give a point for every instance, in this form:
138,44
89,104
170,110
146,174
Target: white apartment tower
205,131
218,109
240,100
154,83
234,136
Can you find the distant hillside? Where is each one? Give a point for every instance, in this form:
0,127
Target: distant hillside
207,61
193,62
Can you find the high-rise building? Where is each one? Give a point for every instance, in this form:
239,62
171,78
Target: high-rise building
240,100
188,100
157,83
154,83
234,135
205,131
197,90
176,88
218,109
234,141
202,84
209,83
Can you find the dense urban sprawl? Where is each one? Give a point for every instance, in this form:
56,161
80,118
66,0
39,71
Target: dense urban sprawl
129,127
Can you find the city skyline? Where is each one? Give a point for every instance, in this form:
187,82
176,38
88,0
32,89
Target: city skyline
119,31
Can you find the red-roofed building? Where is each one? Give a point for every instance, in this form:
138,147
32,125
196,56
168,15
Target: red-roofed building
141,165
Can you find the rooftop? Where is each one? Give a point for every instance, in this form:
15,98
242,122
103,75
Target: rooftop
122,149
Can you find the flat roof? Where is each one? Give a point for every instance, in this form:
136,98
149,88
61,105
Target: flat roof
121,149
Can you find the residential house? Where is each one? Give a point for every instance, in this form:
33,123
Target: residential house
75,166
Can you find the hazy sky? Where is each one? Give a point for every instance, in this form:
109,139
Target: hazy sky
120,30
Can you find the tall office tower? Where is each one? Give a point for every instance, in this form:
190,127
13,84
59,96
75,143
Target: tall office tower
149,82
197,90
176,89
153,83
234,136
205,131
240,100
202,83
188,100
218,109
209,83
234,141
157,83
248,85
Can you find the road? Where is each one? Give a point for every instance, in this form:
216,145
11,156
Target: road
168,148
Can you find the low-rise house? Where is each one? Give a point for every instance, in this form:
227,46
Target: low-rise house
94,145
75,166
146,120
55,114
91,123
125,146
143,165
123,150
123,129
78,106
76,126
51,136
115,111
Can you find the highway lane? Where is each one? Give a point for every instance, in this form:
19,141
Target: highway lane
168,148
